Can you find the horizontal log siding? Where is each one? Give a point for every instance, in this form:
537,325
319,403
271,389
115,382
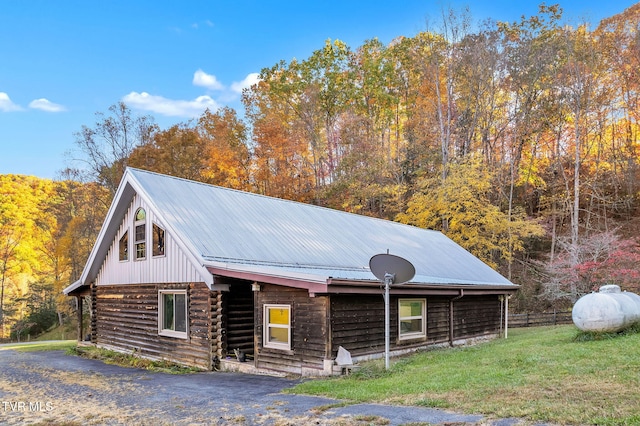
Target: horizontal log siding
127,320
437,319
239,319
308,329
357,321
476,316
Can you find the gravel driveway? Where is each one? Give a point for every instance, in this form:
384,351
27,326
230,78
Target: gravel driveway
52,387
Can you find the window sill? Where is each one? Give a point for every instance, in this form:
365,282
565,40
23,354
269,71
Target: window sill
284,350
412,339
175,334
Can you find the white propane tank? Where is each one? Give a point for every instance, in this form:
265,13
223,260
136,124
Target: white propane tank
608,310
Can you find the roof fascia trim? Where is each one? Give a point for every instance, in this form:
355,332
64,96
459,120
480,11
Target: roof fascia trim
192,255
123,195
128,188
294,282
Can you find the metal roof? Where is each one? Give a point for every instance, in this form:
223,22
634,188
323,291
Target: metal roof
229,230
226,226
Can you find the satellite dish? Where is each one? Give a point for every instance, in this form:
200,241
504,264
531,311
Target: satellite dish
400,268
390,269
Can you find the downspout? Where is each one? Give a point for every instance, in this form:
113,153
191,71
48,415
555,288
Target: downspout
79,313
458,297
501,316
506,315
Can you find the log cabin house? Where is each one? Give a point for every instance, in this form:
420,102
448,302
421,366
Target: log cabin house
191,273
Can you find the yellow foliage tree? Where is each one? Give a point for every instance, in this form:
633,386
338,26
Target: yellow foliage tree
473,221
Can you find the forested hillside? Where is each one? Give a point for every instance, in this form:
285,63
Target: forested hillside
518,140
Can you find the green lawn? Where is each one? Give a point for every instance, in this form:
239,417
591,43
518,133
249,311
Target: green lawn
550,374
41,346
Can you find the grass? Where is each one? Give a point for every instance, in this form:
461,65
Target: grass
544,374
40,346
60,332
130,360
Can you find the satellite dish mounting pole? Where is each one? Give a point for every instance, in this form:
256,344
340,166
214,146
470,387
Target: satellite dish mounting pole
388,280
402,271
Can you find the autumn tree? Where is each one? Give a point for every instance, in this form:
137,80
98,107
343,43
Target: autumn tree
74,225
39,313
618,40
284,164
22,241
227,159
599,259
177,151
369,176
9,240
473,221
105,148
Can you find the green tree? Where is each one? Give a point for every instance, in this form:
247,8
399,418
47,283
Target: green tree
39,313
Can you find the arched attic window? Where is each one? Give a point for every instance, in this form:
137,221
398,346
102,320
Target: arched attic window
140,227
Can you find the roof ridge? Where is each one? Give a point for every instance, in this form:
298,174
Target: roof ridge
276,199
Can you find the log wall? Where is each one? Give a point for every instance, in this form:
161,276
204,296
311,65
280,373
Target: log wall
476,316
240,321
357,321
308,328
127,320
218,325
438,319
125,317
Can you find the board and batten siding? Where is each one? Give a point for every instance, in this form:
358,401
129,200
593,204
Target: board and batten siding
127,321
174,266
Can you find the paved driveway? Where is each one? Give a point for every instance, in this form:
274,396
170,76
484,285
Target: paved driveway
37,387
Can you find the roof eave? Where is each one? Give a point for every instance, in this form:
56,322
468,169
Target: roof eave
453,289
318,284
122,198
303,282
71,288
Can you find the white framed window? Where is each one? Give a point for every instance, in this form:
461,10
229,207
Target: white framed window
140,234
123,247
158,241
412,318
277,327
172,313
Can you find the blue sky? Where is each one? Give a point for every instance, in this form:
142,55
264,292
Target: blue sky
63,61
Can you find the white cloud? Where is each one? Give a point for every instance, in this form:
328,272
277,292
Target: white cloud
201,78
7,105
46,105
196,25
170,107
248,81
